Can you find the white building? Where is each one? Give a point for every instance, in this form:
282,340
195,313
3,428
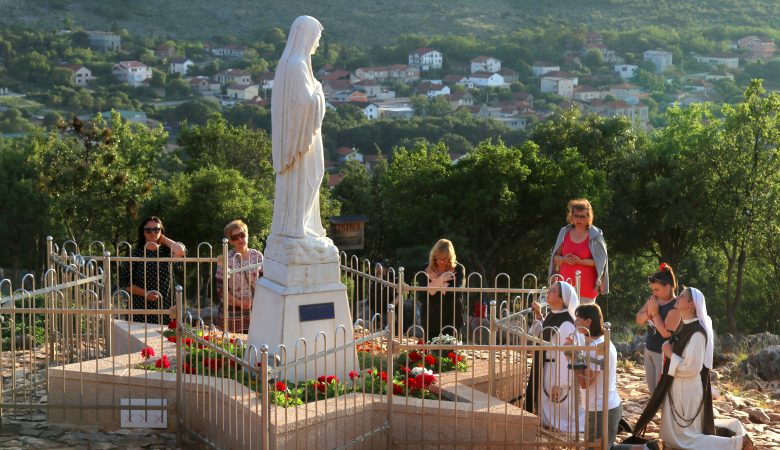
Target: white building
388,74
426,59
242,91
559,83
720,59
543,67
626,71
104,41
133,73
181,66
487,79
485,64
662,59
233,76
80,75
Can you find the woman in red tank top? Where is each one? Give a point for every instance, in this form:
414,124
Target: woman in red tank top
574,253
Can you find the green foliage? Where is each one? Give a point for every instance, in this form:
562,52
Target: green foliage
196,205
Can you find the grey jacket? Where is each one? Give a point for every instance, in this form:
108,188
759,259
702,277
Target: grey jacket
598,248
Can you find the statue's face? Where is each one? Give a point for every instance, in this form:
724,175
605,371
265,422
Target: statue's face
316,44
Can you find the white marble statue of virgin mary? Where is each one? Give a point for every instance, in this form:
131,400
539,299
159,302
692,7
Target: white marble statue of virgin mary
297,110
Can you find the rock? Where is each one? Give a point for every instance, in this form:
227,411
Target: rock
766,363
757,415
737,402
773,417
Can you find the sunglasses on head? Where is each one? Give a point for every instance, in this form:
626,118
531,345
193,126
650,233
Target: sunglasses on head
152,230
238,236
651,279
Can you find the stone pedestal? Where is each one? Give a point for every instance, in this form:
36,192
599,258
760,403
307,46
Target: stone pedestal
303,307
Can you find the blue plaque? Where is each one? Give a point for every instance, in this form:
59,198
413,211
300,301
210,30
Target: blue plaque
316,311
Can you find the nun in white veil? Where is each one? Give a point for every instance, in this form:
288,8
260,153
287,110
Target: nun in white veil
297,110
556,404
687,419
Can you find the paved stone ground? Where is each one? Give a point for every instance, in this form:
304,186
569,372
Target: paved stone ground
755,404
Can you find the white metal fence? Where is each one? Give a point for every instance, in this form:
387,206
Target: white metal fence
68,350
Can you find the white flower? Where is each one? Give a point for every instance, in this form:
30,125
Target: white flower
420,370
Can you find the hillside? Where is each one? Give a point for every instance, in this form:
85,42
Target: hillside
369,22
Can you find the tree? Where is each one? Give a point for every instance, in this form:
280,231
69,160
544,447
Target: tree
216,195
745,162
97,177
230,147
354,190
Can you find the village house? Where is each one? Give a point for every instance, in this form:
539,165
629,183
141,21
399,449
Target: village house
347,95
487,79
662,59
485,64
540,68
398,108
349,154
426,59
371,88
230,51
432,89
132,73
329,86
389,74
698,86
200,84
559,83
181,66
760,48
266,80
233,76
336,74
625,91
370,109
626,71
451,79
459,99
104,41
510,76
165,50
585,93
80,75
637,114
242,91
719,59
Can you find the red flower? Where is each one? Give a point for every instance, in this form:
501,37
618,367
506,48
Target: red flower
187,341
332,379
147,352
189,369
460,358
320,386
424,380
172,338
430,360
163,363
280,386
414,356
420,342
405,370
172,324
398,389
383,376
213,363
321,378
353,374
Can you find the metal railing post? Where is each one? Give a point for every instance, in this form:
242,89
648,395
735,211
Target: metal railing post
577,275
390,345
492,353
179,365
265,410
108,302
225,284
401,298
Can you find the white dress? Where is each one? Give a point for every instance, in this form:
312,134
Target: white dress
686,394
560,415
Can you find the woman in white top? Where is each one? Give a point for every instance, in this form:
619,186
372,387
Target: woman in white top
555,397
590,322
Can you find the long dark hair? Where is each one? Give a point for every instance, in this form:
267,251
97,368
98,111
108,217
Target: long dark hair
141,238
592,311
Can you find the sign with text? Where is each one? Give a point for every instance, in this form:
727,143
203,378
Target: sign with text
348,232
316,311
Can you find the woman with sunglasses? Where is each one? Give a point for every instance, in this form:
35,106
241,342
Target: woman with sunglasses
241,285
581,247
661,317
150,282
